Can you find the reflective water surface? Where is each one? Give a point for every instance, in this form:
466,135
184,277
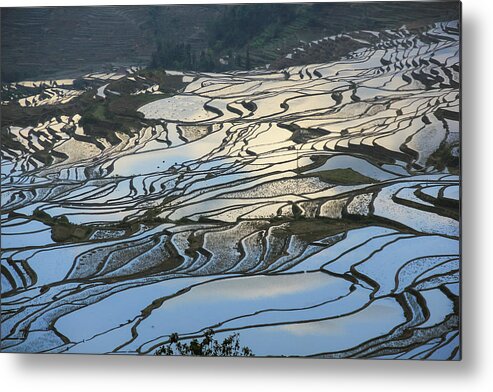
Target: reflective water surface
314,211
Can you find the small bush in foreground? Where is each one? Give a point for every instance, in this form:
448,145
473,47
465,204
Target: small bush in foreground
208,347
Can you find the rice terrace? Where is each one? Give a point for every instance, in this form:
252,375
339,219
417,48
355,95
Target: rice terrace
232,180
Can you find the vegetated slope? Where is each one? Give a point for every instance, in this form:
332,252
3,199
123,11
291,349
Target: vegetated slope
62,41
270,30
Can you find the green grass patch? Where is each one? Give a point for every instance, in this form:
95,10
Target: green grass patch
99,112
315,229
61,229
443,158
116,113
127,105
342,176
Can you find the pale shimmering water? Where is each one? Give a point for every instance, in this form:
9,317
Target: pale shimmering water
309,225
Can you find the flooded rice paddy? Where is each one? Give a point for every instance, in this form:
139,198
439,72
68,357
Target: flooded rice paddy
314,210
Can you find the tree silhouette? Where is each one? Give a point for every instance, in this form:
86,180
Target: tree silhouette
208,347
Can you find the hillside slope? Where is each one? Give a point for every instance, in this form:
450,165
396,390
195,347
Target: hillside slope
65,41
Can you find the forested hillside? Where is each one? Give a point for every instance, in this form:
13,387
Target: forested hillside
193,37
